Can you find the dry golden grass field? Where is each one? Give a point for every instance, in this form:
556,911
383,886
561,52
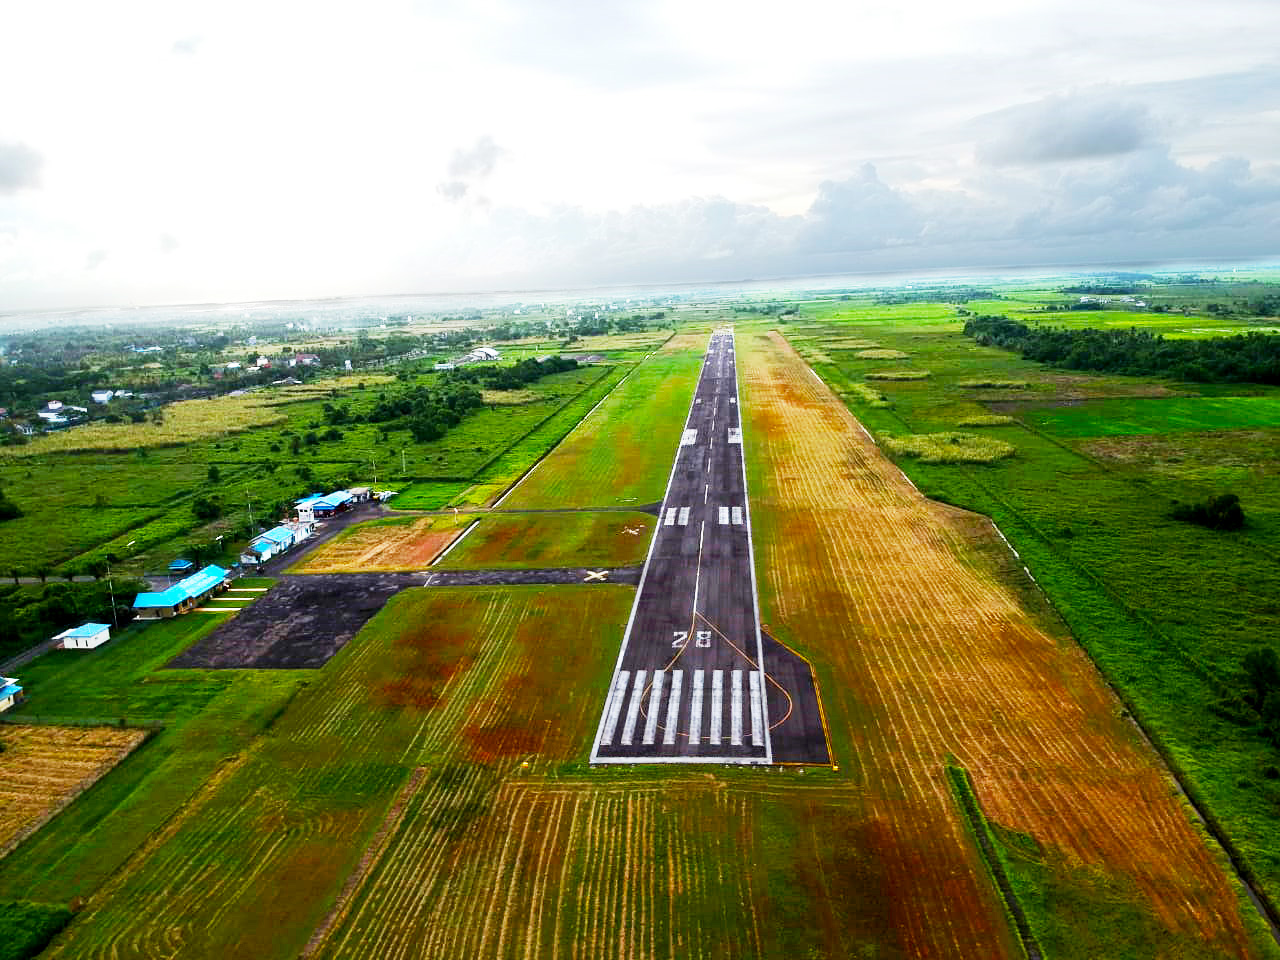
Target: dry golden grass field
924,650
384,546
43,769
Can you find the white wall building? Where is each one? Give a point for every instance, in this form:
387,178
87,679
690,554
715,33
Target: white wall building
85,637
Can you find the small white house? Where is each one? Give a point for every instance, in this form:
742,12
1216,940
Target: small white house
102,396
85,637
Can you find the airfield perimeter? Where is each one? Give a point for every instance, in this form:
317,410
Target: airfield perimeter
428,792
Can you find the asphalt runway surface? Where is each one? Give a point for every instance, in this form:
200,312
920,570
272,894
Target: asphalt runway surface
693,682
305,619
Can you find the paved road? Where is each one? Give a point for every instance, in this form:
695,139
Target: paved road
688,684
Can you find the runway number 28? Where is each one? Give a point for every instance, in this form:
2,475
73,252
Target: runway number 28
682,637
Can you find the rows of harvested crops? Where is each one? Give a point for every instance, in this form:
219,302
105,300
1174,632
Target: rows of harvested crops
574,870
384,546
931,655
249,866
42,769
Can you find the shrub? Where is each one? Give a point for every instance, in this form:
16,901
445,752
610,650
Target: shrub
995,384
949,447
26,928
1217,513
985,420
869,396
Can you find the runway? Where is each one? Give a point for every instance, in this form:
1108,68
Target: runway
692,684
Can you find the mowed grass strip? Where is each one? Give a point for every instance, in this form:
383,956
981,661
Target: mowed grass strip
385,545
923,647
622,452
1150,415
511,541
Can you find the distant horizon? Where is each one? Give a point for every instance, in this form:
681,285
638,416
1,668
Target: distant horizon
519,294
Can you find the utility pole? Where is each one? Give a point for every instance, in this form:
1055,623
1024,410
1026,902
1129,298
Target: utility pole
403,468
250,503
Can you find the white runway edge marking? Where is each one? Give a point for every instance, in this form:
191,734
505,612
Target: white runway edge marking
449,549
670,521
673,708
735,709
724,514
695,709
737,515
655,701
617,693
733,399
689,438
633,708
717,706
684,517
735,434
757,722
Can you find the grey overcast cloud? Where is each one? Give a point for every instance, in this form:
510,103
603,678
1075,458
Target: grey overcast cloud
178,152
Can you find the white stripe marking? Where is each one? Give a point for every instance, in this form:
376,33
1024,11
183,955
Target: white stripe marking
735,434
695,709
671,517
655,701
757,724
689,439
633,708
684,516
717,706
737,515
724,514
673,707
611,709
735,709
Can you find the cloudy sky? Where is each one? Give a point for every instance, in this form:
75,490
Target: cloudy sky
180,152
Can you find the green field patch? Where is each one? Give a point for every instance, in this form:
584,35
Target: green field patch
948,447
429,495
622,452
881,354
503,541
1144,415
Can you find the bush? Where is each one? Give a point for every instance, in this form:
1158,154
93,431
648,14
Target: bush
1217,513
26,928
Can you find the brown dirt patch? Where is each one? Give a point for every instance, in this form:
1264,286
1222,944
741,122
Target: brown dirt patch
383,547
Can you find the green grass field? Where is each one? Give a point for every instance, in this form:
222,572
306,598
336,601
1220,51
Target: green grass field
1136,415
503,541
622,453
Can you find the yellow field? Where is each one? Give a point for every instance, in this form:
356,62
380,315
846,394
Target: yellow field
925,651
42,769
384,546
184,422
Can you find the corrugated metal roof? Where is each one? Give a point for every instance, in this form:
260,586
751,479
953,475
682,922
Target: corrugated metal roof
85,630
193,586
9,688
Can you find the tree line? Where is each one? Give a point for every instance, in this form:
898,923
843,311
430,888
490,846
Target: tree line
1249,357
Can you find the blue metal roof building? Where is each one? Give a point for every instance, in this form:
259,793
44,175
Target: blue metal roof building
10,692
182,596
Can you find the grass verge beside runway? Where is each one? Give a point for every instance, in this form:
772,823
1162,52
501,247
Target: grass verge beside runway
922,648
622,453
514,541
